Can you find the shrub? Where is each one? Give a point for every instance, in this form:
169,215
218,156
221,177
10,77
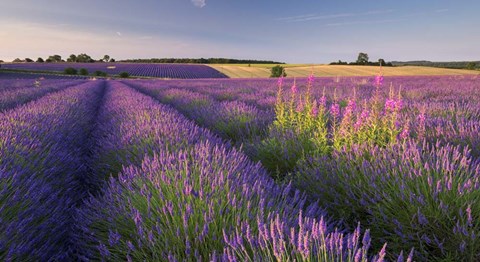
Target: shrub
70,71
100,73
124,75
83,71
278,71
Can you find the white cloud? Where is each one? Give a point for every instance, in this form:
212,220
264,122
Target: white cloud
119,34
311,17
199,3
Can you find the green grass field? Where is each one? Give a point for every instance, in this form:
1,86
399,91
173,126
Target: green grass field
303,70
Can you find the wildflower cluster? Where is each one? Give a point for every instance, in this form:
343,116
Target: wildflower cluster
304,126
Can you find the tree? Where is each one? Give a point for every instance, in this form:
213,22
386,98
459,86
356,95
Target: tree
382,62
106,58
72,58
278,71
112,60
40,60
17,60
84,58
471,65
55,58
362,59
28,60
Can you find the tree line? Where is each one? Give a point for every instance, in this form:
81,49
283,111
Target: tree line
471,65
80,58
363,59
201,61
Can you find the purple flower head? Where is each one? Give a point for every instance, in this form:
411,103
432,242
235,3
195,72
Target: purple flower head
104,252
335,110
399,105
405,132
113,238
469,215
421,118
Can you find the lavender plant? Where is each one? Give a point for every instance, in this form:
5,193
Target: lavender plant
407,194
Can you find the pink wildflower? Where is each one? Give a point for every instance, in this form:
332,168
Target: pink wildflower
314,108
405,132
294,88
390,105
280,81
311,78
378,80
323,101
335,110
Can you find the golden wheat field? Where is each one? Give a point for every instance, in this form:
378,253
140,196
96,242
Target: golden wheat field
303,70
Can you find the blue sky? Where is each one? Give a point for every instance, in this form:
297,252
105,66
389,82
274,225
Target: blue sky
293,31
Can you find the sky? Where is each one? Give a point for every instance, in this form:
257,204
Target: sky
292,31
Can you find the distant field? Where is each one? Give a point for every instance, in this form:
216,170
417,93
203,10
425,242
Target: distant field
262,70
181,71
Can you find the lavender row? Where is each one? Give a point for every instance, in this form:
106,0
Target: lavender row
42,151
21,76
232,120
194,198
183,71
450,105
12,96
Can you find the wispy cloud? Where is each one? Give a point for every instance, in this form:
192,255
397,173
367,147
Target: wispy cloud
119,34
441,10
366,22
199,3
312,17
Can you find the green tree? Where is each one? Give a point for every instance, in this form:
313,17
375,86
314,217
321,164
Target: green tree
40,60
55,58
84,58
17,60
112,60
362,59
28,60
72,58
381,62
106,58
278,71
471,65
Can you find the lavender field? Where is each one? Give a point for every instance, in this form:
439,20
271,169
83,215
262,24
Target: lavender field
182,71
307,169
